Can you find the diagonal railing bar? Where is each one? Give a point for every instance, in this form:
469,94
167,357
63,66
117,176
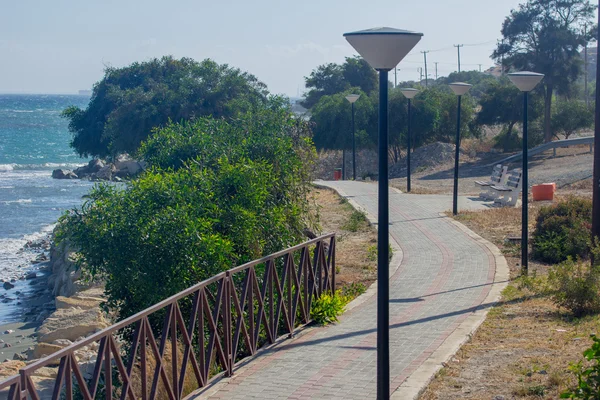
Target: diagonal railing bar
188,355
160,370
132,356
261,314
240,323
231,315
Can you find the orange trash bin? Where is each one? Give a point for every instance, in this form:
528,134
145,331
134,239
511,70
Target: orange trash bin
544,191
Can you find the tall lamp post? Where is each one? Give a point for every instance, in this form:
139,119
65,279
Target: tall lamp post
383,49
525,81
409,93
459,89
352,99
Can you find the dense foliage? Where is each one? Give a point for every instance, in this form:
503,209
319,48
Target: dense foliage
330,79
502,104
563,231
546,36
576,286
570,117
220,193
433,119
129,102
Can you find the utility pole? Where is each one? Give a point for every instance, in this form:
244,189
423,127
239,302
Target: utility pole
425,58
596,178
458,46
395,77
479,67
420,70
502,61
585,63
436,74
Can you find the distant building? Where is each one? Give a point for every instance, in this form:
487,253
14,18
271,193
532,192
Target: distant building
85,92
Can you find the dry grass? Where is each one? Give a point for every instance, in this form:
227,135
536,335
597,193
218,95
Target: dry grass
523,349
355,238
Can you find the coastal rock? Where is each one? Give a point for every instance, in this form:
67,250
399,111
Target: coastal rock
45,349
11,367
71,323
127,168
31,275
63,174
20,357
106,173
82,302
46,372
8,285
91,168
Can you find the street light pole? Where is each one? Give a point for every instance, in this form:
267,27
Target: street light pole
409,93
525,81
383,49
352,99
459,89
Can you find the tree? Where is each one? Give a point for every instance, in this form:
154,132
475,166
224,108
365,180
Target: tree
332,118
330,79
545,36
219,193
571,116
480,81
129,102
502,104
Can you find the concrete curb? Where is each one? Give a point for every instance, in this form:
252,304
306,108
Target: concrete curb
418,381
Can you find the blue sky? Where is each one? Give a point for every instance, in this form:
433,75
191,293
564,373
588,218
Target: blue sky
61,46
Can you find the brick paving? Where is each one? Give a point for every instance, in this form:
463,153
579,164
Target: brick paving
443,277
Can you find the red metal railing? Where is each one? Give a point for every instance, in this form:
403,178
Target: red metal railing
206,330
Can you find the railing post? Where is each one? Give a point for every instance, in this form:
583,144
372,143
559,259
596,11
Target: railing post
332,263
22,387
227,322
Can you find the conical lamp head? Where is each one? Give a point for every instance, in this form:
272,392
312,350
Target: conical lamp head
460,88
383,48
352,97
526,81
409,93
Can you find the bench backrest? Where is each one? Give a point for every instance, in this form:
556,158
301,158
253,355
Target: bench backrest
498,173
514,177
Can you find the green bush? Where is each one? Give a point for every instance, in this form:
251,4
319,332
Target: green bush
588,375
575,285
328,307
507,142
356,221
563,230
219,193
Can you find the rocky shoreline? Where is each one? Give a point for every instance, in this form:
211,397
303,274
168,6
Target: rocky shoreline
98,170
62,309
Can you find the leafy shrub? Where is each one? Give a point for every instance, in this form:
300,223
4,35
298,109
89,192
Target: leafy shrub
563,230
508,141
353,290
588,375
356,220
220,193
575,286
328,307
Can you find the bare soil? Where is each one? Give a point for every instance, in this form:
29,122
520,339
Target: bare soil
524,348
356,242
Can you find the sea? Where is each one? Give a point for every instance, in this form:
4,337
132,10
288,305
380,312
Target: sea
34,140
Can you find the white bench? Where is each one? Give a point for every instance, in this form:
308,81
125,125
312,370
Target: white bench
508,194
498,178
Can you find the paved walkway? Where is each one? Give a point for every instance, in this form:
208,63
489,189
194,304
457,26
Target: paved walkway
444,276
